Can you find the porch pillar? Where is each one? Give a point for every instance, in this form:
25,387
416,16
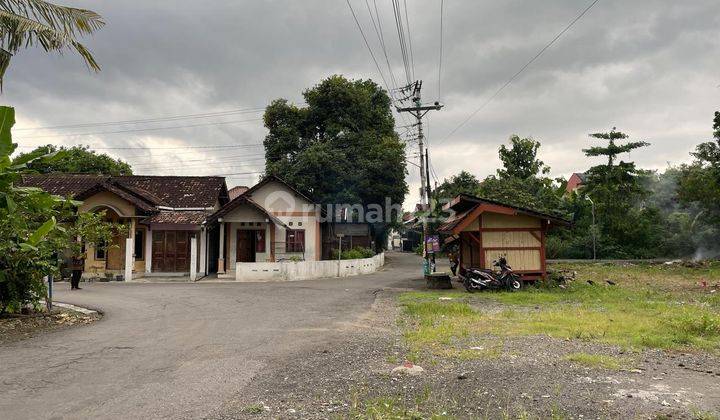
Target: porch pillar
193,258
148,250
203,250
128,258
221,257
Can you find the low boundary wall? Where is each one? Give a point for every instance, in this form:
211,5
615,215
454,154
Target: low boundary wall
304,270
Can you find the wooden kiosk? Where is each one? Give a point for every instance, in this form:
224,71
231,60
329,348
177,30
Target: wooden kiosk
486,229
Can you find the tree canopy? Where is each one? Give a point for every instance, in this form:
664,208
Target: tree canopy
341,147
520,160
76,159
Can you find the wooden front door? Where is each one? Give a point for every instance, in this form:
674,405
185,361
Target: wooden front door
245,246
170,251
115,259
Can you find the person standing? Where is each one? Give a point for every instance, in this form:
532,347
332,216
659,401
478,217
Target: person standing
78,264
453,257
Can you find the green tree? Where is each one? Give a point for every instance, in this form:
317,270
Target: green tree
522,180
626,225
341,147
36,228
75,159
520,160
462,183
698,187
27,23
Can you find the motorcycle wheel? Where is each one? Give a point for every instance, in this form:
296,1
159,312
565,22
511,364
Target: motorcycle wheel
468,287
515,283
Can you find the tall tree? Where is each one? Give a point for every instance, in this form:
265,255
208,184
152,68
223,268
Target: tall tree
76,159
26,23
522,181
520,160
462,183
341,147
699,183
618,188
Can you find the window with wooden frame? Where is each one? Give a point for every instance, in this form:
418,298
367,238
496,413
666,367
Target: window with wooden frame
259,241
295,240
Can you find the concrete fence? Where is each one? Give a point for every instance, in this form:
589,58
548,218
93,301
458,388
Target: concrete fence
303,270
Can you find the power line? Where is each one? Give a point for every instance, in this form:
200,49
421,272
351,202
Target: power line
367,44
240,173
381,39
171,148
147,120
199,164
401,39
206,159
442,4
372,55
409,38
522,69
141,129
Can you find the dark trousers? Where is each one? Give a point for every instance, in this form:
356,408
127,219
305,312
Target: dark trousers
75,279
453,268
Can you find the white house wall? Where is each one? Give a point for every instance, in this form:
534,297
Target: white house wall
296,212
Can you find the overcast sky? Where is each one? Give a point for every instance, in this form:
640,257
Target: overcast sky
649,67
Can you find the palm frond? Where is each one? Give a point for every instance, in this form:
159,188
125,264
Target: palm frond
25,23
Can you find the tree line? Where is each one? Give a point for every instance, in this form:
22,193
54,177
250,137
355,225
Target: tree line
638,213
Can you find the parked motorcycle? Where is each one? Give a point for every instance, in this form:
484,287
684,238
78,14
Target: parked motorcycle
475,279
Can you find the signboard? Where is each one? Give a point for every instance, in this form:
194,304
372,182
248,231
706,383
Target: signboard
432,243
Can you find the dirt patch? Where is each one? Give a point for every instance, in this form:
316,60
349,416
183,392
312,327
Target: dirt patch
511,377
21,327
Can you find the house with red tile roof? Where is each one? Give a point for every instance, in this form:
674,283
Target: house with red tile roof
191,225
165,216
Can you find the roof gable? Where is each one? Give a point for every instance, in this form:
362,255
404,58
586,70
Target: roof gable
464,205
260,191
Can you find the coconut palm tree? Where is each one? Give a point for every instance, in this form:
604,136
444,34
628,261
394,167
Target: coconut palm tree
27,23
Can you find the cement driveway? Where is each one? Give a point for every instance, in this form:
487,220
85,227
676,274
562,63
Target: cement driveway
179,350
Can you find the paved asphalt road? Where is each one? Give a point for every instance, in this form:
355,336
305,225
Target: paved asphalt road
178,350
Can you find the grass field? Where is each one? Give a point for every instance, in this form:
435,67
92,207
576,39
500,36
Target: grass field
651,306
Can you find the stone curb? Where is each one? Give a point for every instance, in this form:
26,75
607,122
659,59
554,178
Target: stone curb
71,307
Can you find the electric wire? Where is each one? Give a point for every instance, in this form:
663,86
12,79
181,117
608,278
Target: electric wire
381,39
170,148
442,4
136,130
522,69
401,39
409,39
147,120
367,45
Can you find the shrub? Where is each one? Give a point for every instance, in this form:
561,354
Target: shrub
354,254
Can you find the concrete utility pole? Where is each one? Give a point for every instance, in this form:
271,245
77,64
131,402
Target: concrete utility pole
418,110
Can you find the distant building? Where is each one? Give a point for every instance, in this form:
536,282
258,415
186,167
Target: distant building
576,181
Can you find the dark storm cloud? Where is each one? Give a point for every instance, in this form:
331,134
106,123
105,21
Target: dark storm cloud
648,67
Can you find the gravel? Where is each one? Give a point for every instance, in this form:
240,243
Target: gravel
529,378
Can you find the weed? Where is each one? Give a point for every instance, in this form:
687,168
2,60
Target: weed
596,360
702,415
391,408
253,409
